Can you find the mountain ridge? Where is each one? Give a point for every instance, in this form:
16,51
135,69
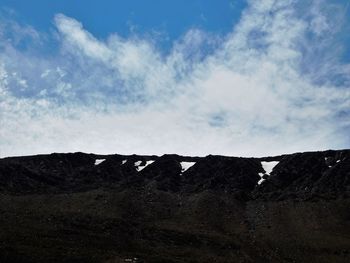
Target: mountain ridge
78,207
63,170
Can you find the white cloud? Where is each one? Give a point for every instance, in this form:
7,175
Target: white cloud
72,31
246,94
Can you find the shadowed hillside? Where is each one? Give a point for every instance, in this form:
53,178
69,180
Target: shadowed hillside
80,207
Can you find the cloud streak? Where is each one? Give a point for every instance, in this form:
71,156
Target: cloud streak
275,84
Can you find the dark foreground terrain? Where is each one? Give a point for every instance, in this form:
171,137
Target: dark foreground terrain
72,208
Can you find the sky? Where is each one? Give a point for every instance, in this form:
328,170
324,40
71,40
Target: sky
228,77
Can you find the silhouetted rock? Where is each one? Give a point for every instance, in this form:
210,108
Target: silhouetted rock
79,207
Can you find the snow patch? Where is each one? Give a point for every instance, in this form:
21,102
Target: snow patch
326,161
186,165
124,161
139,167
338,161
268,167
261,178
98,161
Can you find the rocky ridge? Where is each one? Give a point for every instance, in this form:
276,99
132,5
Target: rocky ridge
79,207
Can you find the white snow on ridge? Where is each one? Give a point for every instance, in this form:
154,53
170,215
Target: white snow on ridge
139,167
330,166
261,178
326,160
186,165
98,161
268,167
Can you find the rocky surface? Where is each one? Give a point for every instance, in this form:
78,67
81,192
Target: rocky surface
80,207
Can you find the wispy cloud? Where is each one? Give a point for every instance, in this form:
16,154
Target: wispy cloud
275,84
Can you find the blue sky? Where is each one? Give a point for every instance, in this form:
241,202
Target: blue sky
246,78
167,18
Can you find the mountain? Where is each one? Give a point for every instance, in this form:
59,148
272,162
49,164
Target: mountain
79,207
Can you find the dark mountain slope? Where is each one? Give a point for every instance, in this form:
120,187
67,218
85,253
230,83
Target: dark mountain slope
112,208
